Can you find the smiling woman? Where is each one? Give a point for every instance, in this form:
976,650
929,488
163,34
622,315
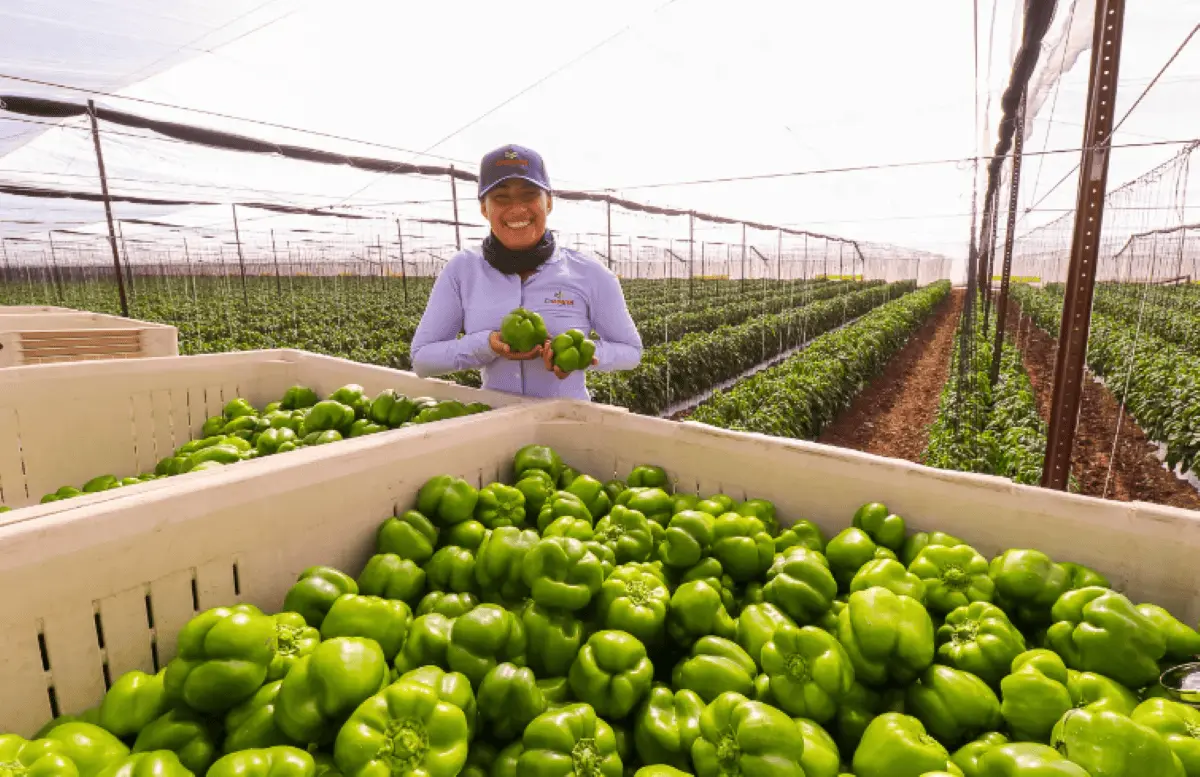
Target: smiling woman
519,265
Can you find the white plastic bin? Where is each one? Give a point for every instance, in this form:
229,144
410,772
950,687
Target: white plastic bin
136,567
64,424
42,335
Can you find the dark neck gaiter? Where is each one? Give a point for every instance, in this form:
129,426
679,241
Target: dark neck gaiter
511,262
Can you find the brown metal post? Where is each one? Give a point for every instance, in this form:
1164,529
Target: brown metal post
55,275
128,264
454,196
1006,273
1089,214
275,257
112,237
403,271
241,259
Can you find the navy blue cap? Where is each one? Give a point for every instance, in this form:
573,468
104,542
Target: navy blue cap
508,162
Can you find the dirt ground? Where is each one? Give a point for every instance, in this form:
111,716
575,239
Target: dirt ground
1136,475
891,416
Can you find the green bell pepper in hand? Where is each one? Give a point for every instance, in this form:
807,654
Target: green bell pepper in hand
890,574
315,592
384,620
223,657
648,476
849,551
1035,695
1112,745
426,642
1098,630
163,763
410,535
447,603
452,688
667,725
133,701
591,492
820,757
562,573
888,637
90,748
627,533
523,330
1178,725
1027,759
500,559
742,545
509,699
883,527
572,351
715,666
500,505
896,745
391,577
800,583
955,706
298,397
808,670
38,758
325,686
452,569
405,729
1182,641
634,601
740,736
447,500
281,761
979,638
251,725
611,673
756,626
570,741
186,734
697,611
562,504
553,638
802,533
687,539
482,638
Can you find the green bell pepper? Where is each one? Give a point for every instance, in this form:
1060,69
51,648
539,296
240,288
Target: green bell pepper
575,528
848,551
756,626
570,741
1027,759
666,726
383,404
1098,693
452,569
452,688
499,561
537,457
326,766
954,577
820,757
572,351
482,638
654,503
480,758
90,715
979,638
298,397
188,735
327,415
409,535
523,330
222,453
679,502
858,708
391,577
1035,695
1182,641
717,504
888,637
500,505
276,441
660,770
163,763
39,758
553,637
133,701
808,670
447,603
468,534
536,486
627,533
740,736
1112,745
293,638
696,611
447,500
383,620
635,601
890,574
509,700
687,539
1099,630
762,510
562,573
1178,725
591,492
281,761
647,476
968,756
213,425
611,673
90,748
315,592
955,706
800,583
236,408
742,545
1028,583
883,527
920,540
507,760
802,533
426,642
562,504
352,395
325,686
896,745
243,426
251,725
222,658
1082,577
363,426
405,729
322,438
715,666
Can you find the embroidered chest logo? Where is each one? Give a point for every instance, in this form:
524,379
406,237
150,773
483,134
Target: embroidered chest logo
558,299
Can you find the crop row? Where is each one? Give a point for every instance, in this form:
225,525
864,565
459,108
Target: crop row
994,431
1154,309
798,397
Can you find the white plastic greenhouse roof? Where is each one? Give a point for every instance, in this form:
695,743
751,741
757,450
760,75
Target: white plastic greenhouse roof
625,96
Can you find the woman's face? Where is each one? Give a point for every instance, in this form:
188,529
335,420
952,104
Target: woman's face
517,211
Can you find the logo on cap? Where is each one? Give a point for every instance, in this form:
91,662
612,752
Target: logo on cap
510,154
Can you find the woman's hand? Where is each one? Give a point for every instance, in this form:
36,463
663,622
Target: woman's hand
548,358
502,349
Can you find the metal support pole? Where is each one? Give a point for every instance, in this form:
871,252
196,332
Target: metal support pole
608,208
4,251
403,271
779,257
275,258
128,264
1006,273
454,196
703,275
743,289
1089,214
691,250
187,257
55,275
241,259
112,237
991,261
